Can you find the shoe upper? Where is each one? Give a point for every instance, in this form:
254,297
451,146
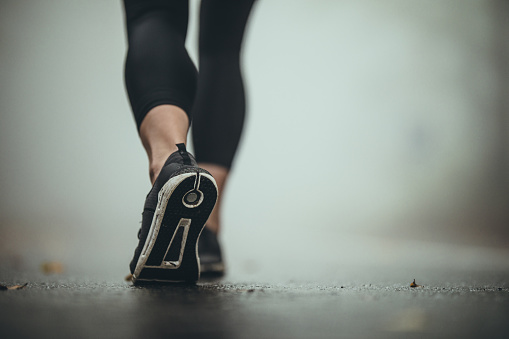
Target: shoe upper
177,162
209,249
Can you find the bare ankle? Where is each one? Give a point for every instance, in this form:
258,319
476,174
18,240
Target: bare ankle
156,163
154,170
163,128
214,227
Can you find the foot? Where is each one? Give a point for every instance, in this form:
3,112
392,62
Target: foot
175,212
209,251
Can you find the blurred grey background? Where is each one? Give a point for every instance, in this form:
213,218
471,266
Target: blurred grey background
377,134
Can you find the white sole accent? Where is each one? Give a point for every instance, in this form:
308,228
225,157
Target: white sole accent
184,223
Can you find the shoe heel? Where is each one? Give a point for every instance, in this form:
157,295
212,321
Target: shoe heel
171,252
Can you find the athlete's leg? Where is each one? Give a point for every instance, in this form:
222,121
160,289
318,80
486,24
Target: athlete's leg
159,75
219,108
161,83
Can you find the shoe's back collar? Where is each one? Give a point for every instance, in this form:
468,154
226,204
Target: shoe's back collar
183,152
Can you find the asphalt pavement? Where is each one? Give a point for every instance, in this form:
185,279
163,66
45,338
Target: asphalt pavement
451,305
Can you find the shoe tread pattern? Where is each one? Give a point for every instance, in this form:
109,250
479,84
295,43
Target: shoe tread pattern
175,210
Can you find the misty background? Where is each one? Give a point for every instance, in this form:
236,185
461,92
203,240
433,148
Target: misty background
377,134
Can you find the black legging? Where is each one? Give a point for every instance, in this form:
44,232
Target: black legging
158,69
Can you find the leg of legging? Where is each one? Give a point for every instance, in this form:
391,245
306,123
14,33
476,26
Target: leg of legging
158,69
219,108
159,75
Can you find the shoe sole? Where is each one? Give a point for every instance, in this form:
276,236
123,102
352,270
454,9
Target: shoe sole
170,253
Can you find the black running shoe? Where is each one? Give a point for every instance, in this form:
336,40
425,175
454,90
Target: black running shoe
209,251
175,212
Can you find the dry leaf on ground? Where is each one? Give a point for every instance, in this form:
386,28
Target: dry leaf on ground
13,287
413,284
